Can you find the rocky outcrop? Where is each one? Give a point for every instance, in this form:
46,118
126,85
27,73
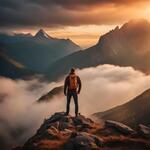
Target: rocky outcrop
120,126
75,130
83,141
61,132
144,130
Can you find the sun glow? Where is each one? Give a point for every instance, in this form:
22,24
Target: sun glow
93,22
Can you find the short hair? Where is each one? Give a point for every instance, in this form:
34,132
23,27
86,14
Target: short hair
72,70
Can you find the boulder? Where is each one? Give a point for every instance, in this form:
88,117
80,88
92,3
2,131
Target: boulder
80,120
67,119
83,141
67,130
119,126
56,117
65,125
144,130
50,134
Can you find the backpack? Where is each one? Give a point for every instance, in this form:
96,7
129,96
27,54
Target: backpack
73,82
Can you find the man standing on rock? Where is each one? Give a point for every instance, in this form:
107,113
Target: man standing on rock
72,87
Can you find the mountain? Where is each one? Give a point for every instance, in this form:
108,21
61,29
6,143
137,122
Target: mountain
60,132
131,113
13,69
22,35
41,34
54,92
36,52
125,46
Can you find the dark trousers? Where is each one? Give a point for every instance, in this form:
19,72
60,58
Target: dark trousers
75,97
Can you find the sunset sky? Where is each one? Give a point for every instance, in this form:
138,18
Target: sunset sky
83,21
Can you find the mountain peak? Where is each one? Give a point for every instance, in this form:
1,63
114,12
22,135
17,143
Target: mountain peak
42,34
132,27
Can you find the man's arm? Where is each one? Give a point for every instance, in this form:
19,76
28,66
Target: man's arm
80,84
65,85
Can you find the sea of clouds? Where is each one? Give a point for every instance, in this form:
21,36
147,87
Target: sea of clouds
103,87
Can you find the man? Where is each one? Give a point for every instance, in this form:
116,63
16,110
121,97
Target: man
72,87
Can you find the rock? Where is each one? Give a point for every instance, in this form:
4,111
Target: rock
67,119
99,141
65,125
73,135
144,130
54,129
68,131
84,129
56,117
83,141
54,124
81,133
50,134
80,120
120,127
82,123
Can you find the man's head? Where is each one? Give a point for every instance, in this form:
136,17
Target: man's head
72,70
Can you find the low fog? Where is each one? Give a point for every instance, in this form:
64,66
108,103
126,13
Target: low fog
103,87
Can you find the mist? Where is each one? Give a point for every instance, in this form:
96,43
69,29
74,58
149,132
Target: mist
103,87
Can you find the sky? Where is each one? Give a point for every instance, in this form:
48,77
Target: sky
83,21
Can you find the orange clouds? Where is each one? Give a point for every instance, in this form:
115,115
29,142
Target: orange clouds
52,13
63,14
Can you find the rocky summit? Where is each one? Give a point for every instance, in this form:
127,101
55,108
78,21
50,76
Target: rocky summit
61,132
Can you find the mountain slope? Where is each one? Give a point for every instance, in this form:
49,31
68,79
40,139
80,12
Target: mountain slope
48,96
125,46
41,34
13,69
36,52
131,113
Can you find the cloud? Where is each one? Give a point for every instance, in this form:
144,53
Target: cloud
19,115
103,87
53,13
107,86
78,4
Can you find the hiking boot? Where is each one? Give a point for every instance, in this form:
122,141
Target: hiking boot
77,115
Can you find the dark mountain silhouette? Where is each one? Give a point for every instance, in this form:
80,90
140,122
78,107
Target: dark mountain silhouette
125,46
134,112
60,132
41,34
54,92
36,52
22,35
